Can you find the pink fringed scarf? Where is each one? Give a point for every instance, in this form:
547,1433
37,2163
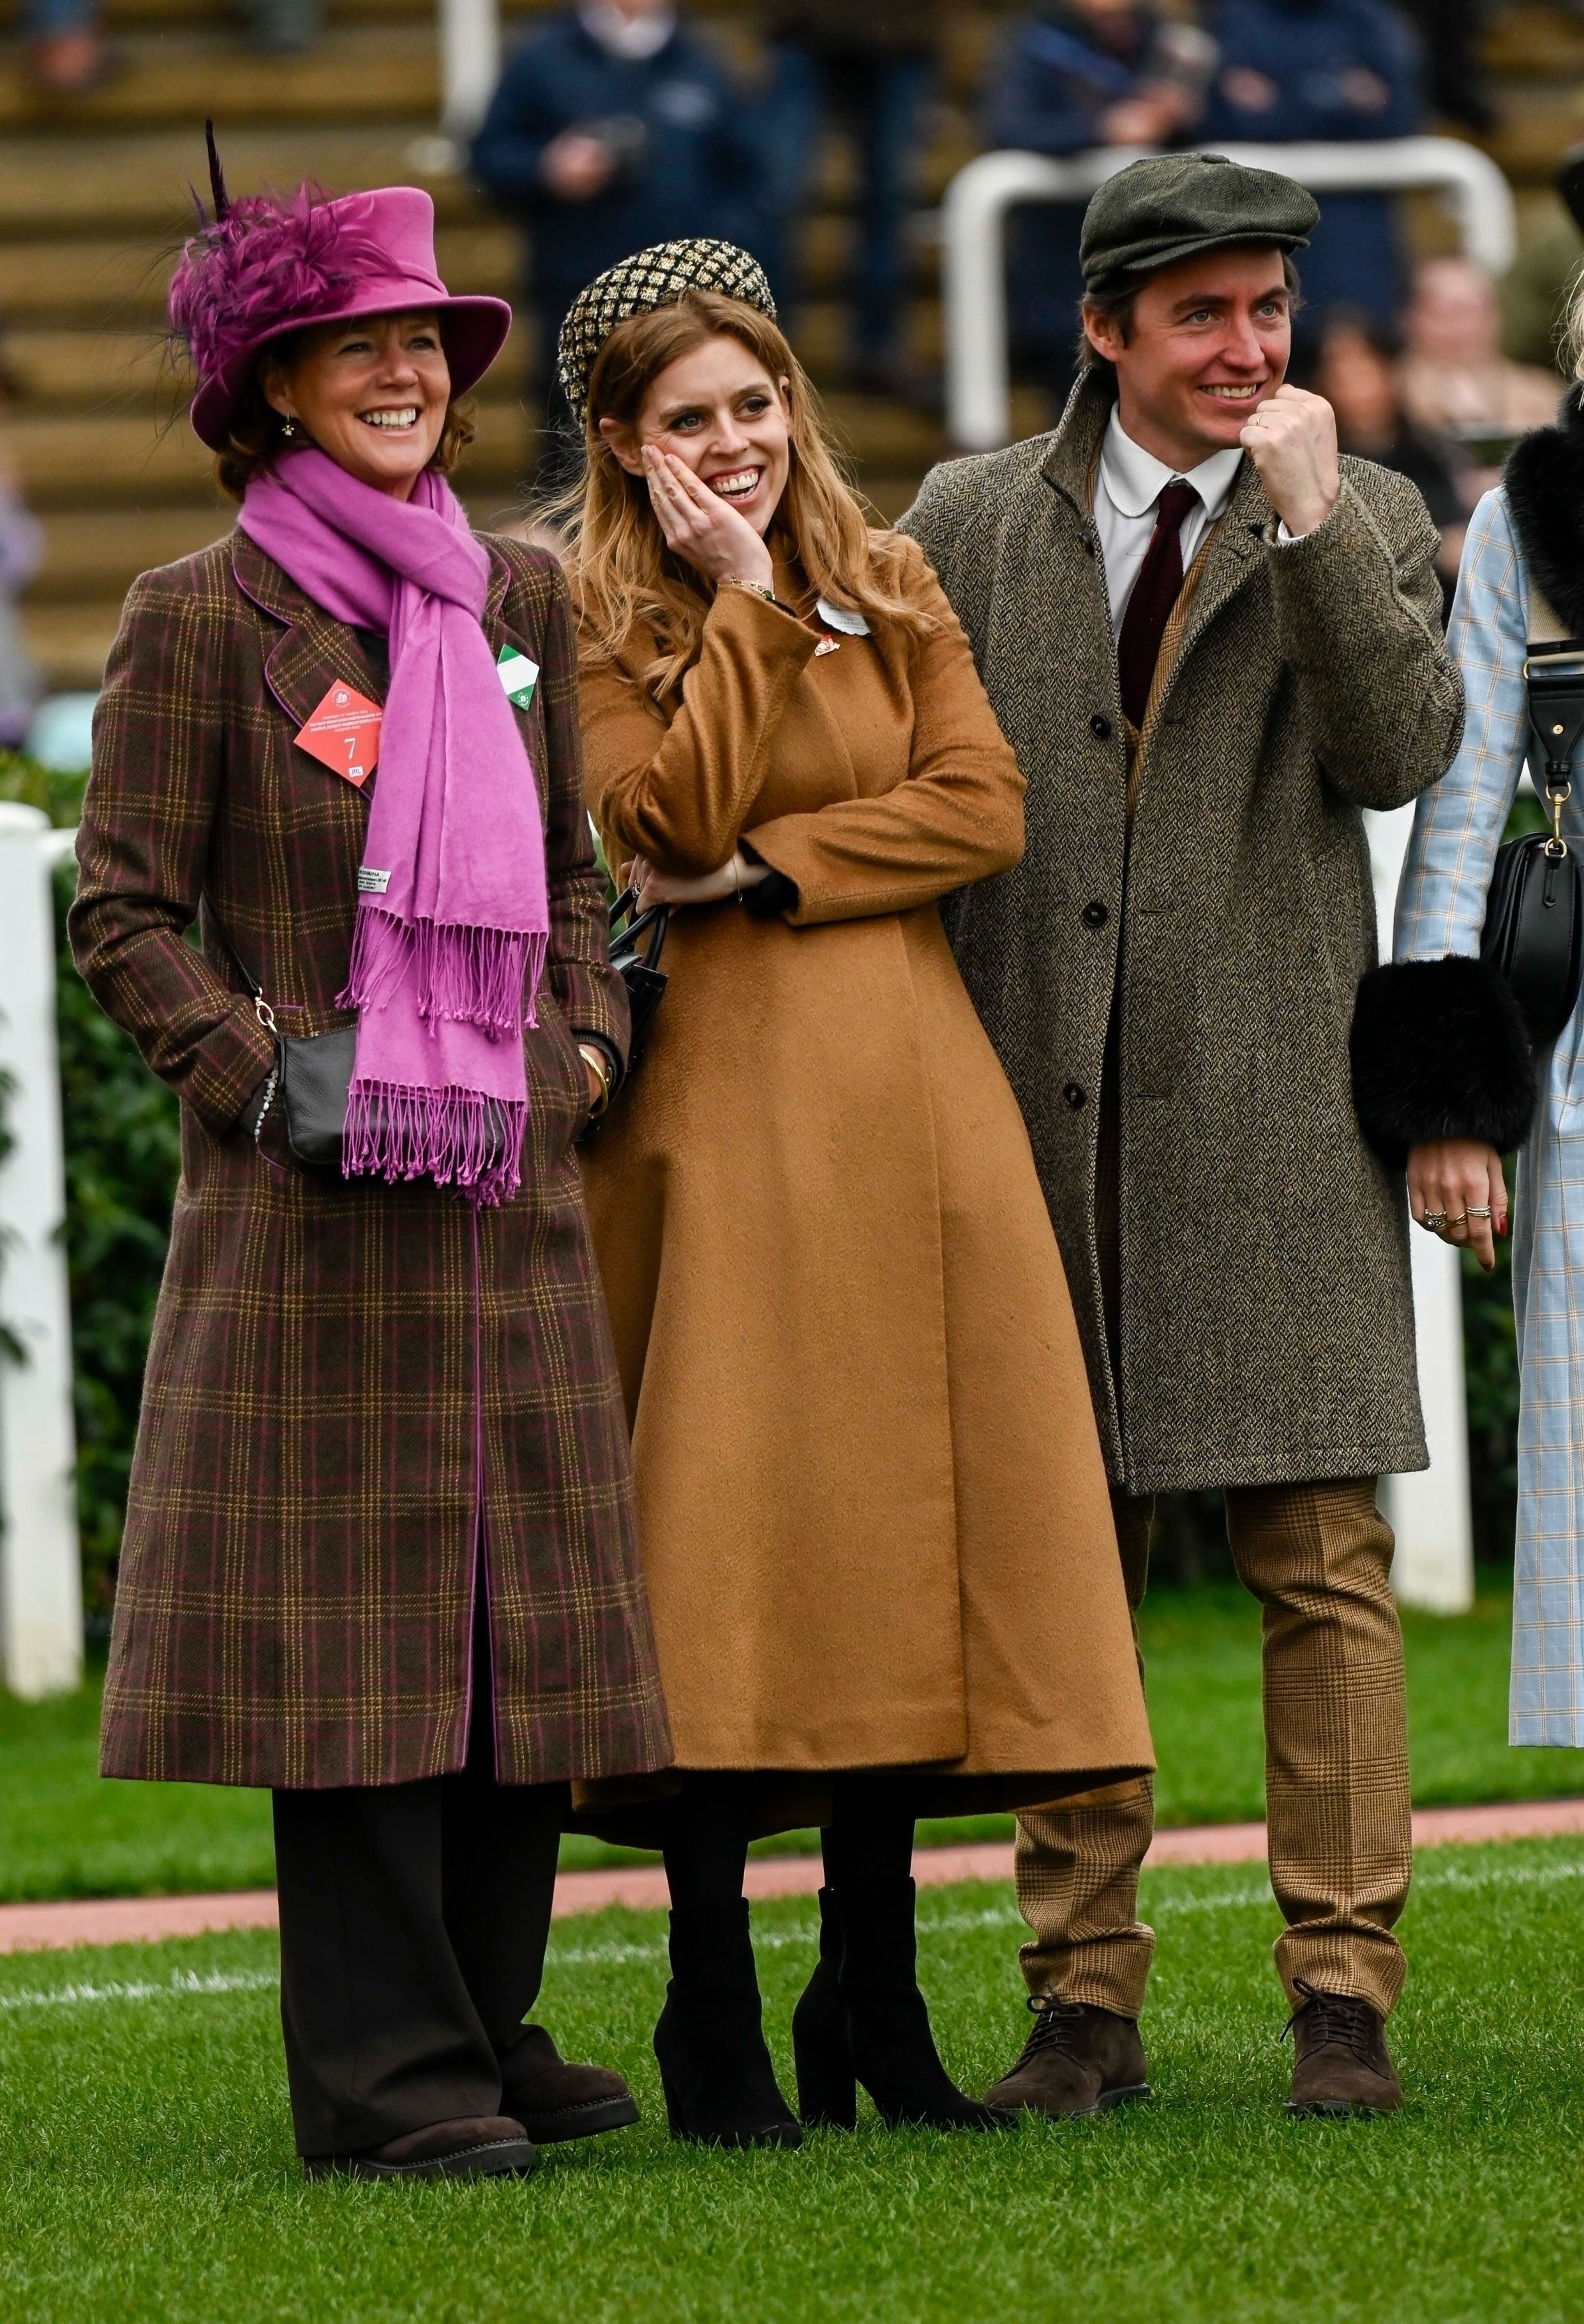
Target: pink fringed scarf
453,913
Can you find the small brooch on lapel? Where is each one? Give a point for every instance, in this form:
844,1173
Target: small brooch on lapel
343,734
518,677
837,617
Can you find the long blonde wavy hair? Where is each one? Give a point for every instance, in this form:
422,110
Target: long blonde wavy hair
624,579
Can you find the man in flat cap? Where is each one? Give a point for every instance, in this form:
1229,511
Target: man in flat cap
1211,642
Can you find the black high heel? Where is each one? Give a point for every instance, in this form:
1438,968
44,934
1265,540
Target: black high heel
827,2086
889,2046
719,2085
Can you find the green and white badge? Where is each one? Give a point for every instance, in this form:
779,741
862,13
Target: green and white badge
518,677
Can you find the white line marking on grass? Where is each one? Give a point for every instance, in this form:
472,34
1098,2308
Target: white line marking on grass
180,1986
186,1984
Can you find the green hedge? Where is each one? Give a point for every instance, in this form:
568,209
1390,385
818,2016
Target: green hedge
123,1150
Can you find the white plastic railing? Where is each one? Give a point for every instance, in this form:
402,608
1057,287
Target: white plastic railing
470,64
41,1584
974,219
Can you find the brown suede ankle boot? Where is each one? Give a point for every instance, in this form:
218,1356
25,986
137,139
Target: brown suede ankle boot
1340,2062
1079,2059
554,2100
476,2146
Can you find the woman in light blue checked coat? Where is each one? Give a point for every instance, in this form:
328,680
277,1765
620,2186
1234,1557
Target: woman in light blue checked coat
1443,1068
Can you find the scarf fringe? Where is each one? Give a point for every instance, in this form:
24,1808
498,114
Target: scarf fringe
487,977
396,1132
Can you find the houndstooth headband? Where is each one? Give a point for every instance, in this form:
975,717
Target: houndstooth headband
637,286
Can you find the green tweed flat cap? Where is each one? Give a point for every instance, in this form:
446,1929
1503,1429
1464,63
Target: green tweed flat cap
1173,206
656,277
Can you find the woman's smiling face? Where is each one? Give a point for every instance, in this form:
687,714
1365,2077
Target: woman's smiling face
371,393
724,416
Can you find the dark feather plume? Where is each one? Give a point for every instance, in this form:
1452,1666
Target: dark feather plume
216,176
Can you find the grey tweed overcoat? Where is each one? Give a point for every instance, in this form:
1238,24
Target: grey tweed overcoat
343,1375
1266,1326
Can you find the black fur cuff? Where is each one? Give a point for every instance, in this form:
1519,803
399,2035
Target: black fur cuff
1440,1050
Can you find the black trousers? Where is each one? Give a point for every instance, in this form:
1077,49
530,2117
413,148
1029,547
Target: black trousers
413,1924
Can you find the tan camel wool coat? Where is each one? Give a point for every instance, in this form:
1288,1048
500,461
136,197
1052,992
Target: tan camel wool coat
871,1501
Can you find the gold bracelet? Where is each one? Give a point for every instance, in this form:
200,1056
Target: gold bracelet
598,1063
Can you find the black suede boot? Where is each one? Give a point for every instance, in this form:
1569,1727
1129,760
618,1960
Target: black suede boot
890,2049
827,2086
715,2070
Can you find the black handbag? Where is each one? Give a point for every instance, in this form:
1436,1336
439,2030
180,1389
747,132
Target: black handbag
635,956
1533,932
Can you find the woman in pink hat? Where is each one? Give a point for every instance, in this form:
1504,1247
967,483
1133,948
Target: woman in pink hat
379,1551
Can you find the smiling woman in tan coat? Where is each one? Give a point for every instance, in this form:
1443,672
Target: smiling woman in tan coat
872,1507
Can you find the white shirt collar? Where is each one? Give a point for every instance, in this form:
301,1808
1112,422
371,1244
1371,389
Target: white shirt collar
635,39
1135,479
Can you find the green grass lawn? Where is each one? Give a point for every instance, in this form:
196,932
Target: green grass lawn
65,1833
147,2168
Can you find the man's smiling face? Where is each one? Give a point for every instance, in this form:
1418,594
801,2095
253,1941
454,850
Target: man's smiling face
1208,340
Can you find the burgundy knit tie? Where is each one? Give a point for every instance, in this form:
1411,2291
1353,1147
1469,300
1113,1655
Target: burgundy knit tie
1154,593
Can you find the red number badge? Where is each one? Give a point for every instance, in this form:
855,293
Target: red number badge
344,734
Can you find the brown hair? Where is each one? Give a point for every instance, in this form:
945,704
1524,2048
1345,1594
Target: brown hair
256,435
624,577
1118,305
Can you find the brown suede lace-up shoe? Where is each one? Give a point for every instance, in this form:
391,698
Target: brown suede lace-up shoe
1079,2059
474,2146
1340,2062
554,2100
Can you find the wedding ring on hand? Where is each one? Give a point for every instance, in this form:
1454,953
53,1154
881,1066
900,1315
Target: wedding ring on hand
1482,1213
1433,1221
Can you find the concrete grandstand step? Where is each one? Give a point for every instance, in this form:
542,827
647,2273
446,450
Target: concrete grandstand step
102,281
111,371
1536,124
138,182
129,460
176,75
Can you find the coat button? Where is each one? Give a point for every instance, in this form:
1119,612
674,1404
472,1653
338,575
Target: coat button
1100,726
1075,1096
1095,916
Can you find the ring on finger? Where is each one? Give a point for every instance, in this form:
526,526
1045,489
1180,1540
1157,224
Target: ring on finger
1435,1221
1481,1211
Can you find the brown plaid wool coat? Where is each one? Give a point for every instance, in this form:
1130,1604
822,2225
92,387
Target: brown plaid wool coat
338,1370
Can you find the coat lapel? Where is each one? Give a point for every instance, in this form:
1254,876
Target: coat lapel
1233,555
314,651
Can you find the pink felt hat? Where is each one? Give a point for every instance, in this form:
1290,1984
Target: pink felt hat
265,265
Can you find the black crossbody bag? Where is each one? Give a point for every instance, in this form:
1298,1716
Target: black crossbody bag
314,1070
1533,933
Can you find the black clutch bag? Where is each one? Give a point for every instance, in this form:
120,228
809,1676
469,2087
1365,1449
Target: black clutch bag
1533,932
314,1079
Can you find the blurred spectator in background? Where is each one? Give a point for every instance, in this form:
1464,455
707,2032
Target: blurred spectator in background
871,67
21,552
1329,69
1356,371
613,126
1076,74
1455,376
1454,76
67,52
283,28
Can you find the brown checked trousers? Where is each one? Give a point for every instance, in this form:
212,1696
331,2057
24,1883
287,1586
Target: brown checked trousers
1317,1556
